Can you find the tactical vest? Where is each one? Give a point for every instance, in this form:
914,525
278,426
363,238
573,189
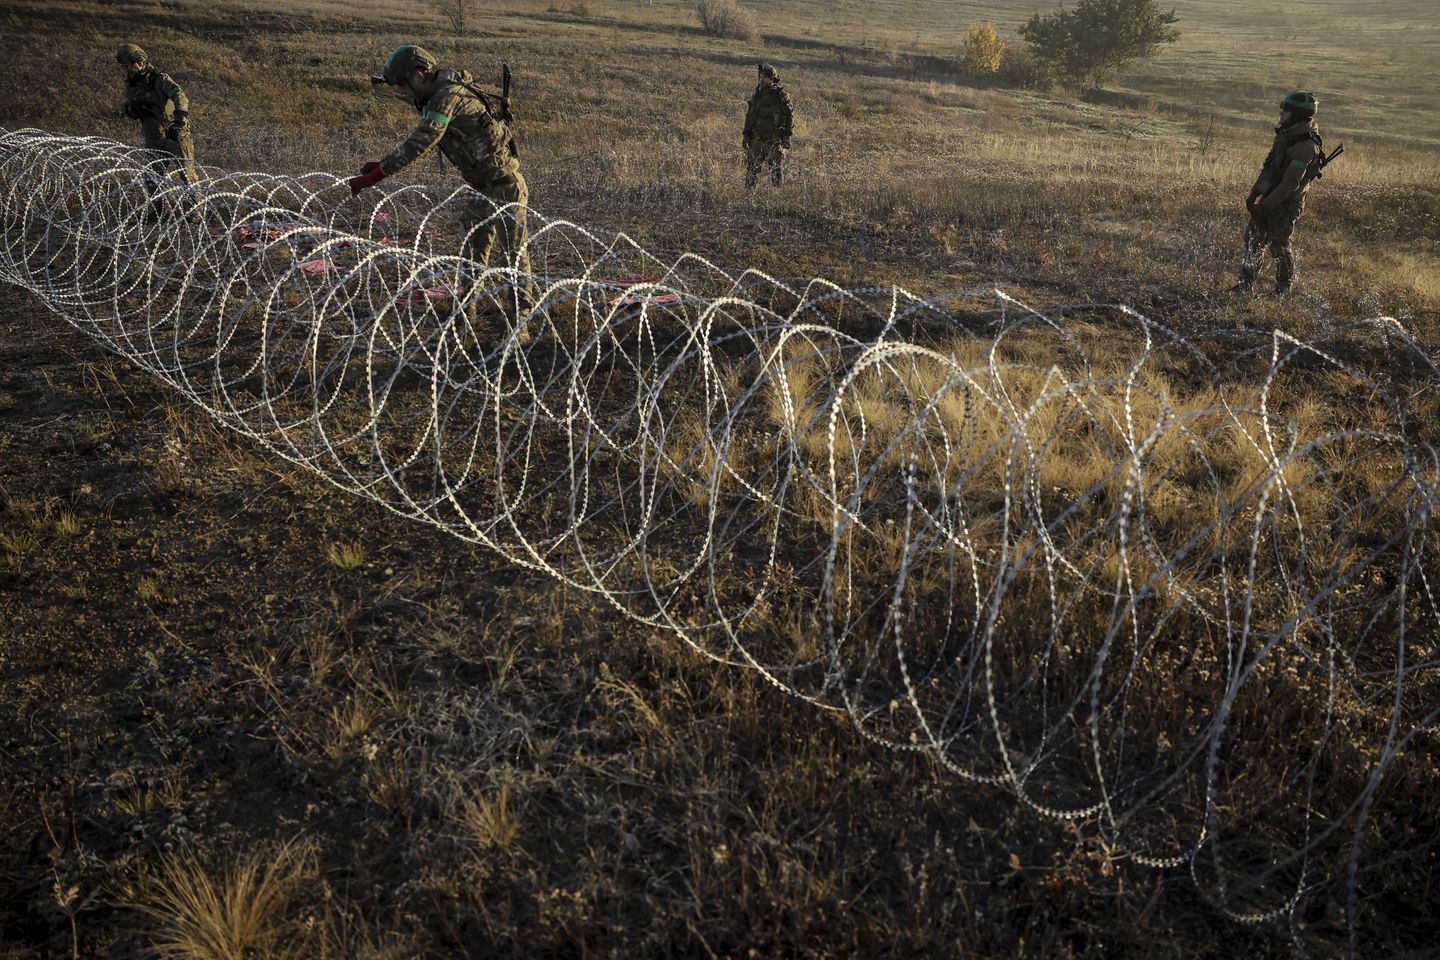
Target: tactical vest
769,115
478,141
147,96
1285,138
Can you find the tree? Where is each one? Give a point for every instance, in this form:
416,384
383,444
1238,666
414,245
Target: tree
983,49
1092,43
458,12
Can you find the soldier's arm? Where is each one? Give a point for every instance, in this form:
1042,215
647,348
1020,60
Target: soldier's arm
749,117
434,122
420,144
172,91
1297,159
787,116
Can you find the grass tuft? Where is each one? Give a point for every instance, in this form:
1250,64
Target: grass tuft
487,819
346,556
234,912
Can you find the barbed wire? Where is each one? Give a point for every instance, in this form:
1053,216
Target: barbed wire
1139,579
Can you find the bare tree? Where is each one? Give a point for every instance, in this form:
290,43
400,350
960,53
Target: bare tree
460,13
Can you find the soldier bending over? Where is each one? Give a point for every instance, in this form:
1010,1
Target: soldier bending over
470,128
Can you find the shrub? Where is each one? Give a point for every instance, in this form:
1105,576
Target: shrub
1090,44
983,50
1021,68
726,18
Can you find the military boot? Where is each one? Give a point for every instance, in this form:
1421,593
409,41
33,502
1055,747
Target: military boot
522,314
1284,273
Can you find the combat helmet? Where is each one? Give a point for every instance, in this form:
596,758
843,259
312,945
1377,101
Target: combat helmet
768,71
1301,102
130,53
405,60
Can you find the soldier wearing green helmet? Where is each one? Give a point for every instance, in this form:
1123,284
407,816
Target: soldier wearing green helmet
160,105
1278,196
471,128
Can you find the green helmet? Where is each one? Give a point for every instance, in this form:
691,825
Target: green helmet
405,60
1301,101
129,53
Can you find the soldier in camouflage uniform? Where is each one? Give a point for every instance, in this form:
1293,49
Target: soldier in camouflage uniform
1278,196
470,128
161,107
768,122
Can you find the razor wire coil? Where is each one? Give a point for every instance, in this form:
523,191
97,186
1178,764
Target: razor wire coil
1071,552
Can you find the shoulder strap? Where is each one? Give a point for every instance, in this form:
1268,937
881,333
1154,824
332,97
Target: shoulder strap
507,144
484,98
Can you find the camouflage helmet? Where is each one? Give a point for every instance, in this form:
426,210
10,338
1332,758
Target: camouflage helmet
768,71
130,53
404,61
1301,102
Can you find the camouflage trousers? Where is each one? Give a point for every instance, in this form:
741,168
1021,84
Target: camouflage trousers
485,232
181,149
764,153
1270,228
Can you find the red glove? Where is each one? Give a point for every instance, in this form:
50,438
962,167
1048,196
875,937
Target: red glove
370,174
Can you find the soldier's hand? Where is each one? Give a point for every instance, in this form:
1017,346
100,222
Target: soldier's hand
370,174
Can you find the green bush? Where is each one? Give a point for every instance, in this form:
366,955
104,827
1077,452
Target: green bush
1092,43
1021,68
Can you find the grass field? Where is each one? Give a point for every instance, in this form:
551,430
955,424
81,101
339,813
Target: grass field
247,716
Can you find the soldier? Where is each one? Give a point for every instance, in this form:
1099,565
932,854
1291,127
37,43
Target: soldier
1276,200
768,122
470,128
161,107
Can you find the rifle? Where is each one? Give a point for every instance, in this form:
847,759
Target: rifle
1317,170
505,113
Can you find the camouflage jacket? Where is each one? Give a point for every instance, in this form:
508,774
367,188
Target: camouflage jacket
466,124
769,115
1295,148
152,95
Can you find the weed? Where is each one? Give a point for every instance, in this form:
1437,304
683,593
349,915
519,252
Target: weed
67,524
145,797
229,912
15,546
346,556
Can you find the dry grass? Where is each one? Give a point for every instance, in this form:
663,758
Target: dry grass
611,793
346,556
231,912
